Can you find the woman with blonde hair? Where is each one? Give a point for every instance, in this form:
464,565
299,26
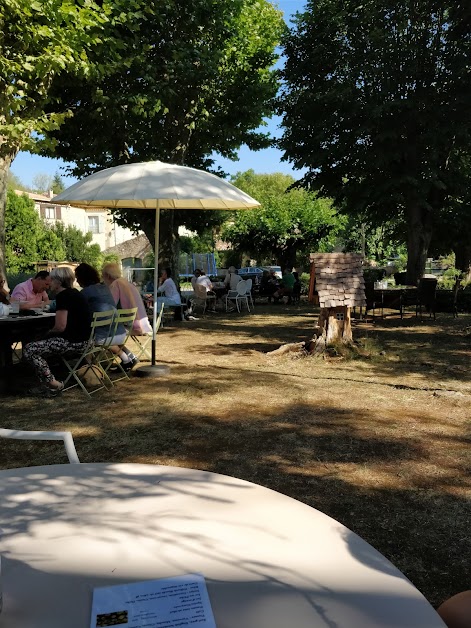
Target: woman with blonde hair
71,331
126,295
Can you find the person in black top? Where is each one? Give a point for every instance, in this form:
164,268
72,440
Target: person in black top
100,299
71,330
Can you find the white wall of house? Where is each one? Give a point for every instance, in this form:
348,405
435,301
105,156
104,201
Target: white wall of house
99,222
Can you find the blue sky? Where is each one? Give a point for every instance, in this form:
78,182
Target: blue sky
27,166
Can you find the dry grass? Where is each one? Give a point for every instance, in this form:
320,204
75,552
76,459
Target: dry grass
377,442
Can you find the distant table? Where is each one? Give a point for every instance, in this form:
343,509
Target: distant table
395,298
13,328
219,289
269,560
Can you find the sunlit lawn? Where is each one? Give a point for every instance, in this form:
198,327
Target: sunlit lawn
380,443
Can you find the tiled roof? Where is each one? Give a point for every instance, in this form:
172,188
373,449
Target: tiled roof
339,279
137,247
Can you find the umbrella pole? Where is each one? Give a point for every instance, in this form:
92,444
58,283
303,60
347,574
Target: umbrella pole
154,370
156,279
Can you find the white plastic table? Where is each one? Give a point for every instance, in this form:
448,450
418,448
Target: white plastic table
269,560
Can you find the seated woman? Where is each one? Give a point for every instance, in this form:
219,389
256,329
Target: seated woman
71,331
232,278
126,295
167,288
100,299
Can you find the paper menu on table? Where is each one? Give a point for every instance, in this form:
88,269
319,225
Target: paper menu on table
165,603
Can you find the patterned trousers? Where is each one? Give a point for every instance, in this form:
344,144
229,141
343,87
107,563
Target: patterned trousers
35,353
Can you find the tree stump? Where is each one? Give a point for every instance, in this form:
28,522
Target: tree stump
336,324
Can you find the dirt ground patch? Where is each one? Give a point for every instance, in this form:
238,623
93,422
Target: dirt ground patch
380,443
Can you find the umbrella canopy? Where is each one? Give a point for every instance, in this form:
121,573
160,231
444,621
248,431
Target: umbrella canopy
155,185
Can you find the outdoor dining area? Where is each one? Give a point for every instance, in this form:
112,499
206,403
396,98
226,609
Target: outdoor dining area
111,537
70,531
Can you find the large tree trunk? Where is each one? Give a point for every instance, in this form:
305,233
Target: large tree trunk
419,234
5,162
170,242
463,259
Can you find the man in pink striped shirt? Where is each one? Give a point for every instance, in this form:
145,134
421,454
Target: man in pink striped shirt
32,292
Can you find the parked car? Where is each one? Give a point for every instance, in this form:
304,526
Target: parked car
251,272
277,270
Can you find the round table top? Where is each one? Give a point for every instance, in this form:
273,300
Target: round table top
269,561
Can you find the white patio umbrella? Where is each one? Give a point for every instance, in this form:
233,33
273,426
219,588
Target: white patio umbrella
155,185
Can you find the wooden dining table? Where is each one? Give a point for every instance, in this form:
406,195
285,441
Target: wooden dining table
268,560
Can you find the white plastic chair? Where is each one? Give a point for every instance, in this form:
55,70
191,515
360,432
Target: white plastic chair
66,437
238,296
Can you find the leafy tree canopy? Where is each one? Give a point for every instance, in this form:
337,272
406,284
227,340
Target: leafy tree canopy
42,183
78,245
15,183
39,40
287,226
375,103
187,80
27,238
57,185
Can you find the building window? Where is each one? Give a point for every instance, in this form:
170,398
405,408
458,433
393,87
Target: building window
94,224
50,212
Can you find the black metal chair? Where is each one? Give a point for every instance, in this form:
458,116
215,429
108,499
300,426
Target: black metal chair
426,296
296,294
371,298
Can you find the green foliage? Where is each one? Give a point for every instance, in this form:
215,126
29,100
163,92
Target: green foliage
111,257
57,184
305,279
375,103
197,244
42,183
22,233
288,225
50,246
373,274
39,41
15,183
30,239
380,243
77,245
179,83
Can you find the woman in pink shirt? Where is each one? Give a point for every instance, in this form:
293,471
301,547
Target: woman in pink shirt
126,295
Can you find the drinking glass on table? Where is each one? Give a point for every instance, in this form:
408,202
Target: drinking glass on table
15,307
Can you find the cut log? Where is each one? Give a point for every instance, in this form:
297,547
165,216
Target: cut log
292,347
